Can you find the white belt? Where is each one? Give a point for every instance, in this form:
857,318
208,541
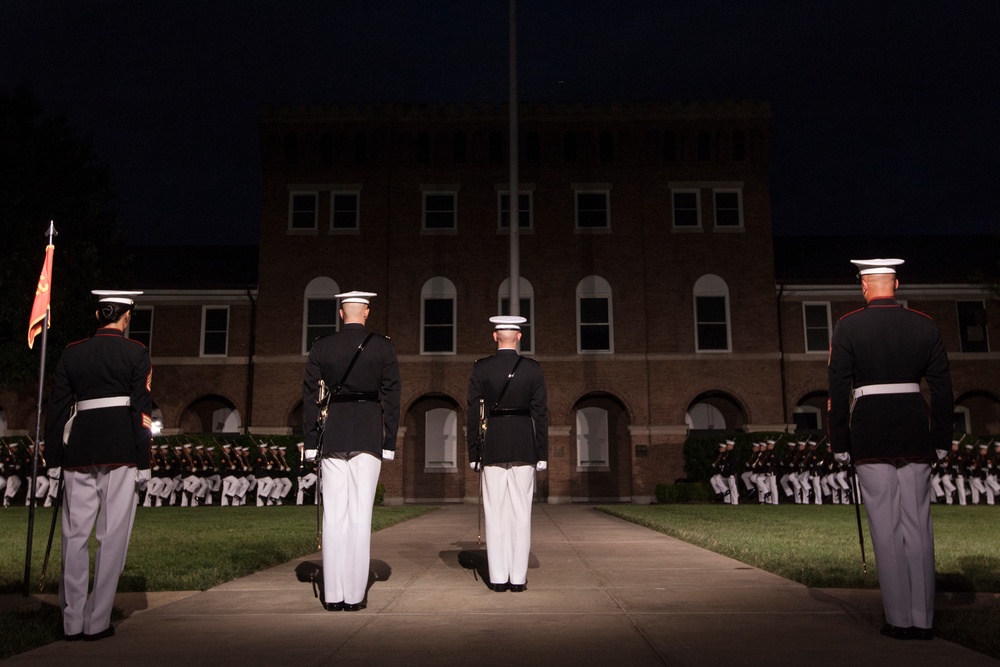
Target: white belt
893,388
109,402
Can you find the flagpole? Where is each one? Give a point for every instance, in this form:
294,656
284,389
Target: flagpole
38,435
514,228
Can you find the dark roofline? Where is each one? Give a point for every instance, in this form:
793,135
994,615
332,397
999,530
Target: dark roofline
195,267
932,260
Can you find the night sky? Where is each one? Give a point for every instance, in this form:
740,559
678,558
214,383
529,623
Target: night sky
885,113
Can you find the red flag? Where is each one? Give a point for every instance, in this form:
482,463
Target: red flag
42,297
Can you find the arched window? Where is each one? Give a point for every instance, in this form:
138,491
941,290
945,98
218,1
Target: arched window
592,439
526,300
320,310
440,439
437,316
711,314
594,315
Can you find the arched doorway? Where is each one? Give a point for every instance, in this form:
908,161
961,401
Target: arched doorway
977,413
435,459
600,442
211,414
810,413
715,411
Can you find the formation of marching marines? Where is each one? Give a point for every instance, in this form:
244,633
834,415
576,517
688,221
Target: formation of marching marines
183,474
807,473
966,474
228,475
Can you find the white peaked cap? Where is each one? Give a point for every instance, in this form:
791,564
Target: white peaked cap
356,297
867,266
115,296
511,322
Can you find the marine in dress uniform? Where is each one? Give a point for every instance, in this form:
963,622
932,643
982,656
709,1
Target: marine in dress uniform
360,431
105,379
878,419
515,445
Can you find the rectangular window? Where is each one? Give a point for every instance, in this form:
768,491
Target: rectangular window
595,324
140,327
526,329
302,209
972,326
592,210
440,211
439,326
214,331
687,208
816,319
728,208
322,319
344,208
712,326
524,216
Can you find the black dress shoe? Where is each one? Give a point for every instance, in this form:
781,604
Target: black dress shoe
357,606
333,606
103,634
895,631
498,588
921,633
73,638
517,588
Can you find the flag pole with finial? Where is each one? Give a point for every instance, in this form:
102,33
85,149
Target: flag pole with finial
39,323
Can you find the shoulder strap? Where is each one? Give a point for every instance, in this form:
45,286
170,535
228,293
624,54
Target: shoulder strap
503,390
357,353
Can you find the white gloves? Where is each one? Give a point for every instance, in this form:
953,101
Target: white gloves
142,476
541,465
54,473
310,454
842,457
388,454
472,464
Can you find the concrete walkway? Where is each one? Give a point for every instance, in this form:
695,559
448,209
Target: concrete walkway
601,591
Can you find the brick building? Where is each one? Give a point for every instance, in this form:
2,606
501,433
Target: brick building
648,277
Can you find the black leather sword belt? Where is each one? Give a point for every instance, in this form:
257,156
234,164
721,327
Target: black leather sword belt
510,412
356,397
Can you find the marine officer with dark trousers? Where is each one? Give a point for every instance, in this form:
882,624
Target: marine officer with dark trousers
515,401
878,419
361,373
104,380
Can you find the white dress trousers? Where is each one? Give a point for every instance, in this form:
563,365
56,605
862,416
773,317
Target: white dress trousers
348,499
507,496
897,501
105,495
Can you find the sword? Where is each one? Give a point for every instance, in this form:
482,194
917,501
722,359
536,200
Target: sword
479,468
857,512
323,401
52,531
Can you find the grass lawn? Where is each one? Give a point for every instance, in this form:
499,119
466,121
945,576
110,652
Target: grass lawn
818,546
172,549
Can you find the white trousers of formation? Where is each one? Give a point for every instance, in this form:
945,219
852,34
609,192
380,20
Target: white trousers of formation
507,496
105,495
348,500
897,500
